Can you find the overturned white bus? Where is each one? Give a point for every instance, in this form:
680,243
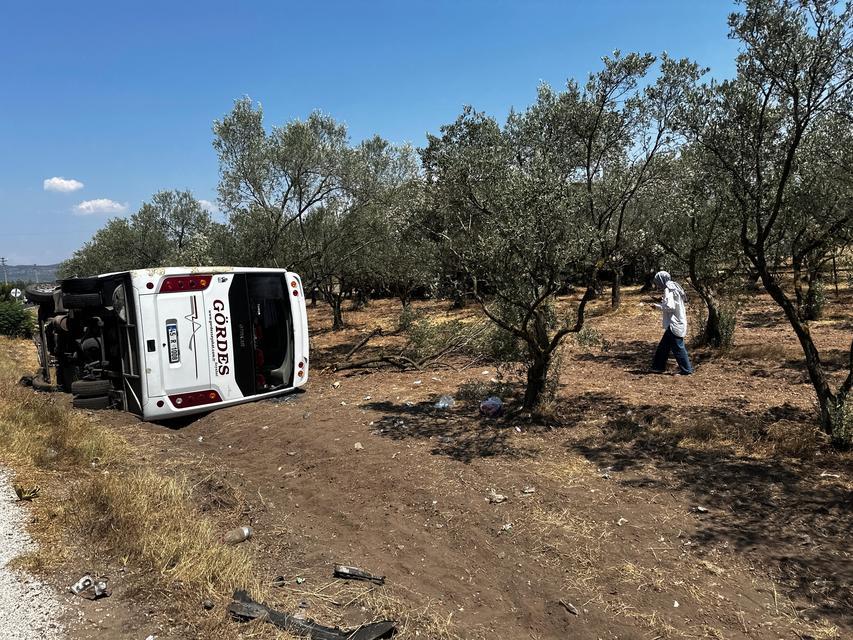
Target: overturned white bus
162,343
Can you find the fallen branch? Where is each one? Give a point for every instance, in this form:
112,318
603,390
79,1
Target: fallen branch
376,332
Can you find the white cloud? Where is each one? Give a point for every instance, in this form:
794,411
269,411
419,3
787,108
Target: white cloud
63,185
99,205
209,206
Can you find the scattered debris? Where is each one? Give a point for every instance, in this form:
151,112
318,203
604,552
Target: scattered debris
417,382
620,522
506,527
491,407
496,498
26,493
367,398
237,535
675,603
354,573
445,402
300,580
244,609
568,606
336,384
827,474
201,438
712,568
207,604
279,581
700,509
528,490
87,588
358,446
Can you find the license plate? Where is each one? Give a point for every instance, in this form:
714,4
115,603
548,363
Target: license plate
172,334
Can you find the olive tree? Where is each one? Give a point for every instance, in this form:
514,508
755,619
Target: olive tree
615,127
172,229
693,226
270,180
794,85
503,205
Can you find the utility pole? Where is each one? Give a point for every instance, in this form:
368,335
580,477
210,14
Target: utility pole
5,277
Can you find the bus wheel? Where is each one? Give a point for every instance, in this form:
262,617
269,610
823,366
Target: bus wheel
91,388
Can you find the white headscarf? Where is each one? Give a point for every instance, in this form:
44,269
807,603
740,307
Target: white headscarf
664,281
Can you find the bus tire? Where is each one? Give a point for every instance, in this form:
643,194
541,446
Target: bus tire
91,388
98,402
39,294
81,300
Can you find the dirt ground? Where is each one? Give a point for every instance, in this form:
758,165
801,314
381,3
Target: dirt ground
649,506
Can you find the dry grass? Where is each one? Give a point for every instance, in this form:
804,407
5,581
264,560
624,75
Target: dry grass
150,521
92,487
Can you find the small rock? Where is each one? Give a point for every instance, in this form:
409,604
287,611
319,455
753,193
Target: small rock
496,498
336,384
675,603
300,580
358,446
528,490
200,438
207,604
620,522
291,453
700,509
507,527
367,398
417,382
343,404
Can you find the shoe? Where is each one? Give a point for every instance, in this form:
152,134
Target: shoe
685,373
657,371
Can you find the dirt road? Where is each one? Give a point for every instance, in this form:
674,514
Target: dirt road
29,608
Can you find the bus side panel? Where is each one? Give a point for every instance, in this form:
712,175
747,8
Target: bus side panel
300,332
152,371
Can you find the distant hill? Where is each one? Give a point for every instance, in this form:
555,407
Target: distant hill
30,273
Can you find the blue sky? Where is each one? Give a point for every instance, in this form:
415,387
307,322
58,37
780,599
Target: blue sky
120,96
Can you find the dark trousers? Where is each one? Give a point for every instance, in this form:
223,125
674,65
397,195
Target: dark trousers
671,342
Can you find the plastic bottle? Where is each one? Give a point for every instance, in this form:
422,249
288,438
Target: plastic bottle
237,535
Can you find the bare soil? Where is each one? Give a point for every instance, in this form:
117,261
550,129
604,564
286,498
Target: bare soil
645,506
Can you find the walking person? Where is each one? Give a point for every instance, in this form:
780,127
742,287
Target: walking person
674,320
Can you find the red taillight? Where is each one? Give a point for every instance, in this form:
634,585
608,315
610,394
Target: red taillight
174,284
295,292
194,399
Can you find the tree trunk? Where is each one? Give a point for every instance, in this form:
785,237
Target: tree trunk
616,288
827,400
537,379
336,302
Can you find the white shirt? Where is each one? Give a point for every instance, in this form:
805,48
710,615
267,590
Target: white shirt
673,313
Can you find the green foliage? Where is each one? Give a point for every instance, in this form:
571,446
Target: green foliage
428,337
722,334
589,337
15,320
408,317
173,229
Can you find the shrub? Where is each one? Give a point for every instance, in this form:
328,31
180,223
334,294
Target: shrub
15,320
408,317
